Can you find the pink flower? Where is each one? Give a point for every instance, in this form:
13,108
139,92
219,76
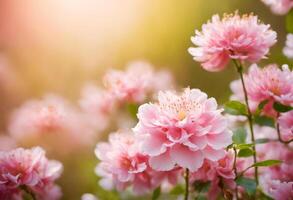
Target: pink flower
131,85
98,104
215,171
30,168
233,37
50,116
182,130
288,49
286,125
279,7
269,83
137,82
122,165
277,189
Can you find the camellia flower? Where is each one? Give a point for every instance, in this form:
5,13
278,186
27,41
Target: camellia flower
269,83
233,37
182,130
49,116
30,169
279,7
122,165
98,104
288,49
286,125
216,171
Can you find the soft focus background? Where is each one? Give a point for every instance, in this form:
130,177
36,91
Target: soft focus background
57,45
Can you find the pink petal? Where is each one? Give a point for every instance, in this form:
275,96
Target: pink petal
186,158
213,154
162,162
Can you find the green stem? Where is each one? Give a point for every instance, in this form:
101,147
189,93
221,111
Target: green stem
186,184
279,132
235,171
28,191
249,115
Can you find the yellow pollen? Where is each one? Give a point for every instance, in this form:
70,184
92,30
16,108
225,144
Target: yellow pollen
181,115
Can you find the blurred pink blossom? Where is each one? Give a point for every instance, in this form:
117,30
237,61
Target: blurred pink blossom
286,125
31,169
137,82
98,104
182,129
233,37
50,116
279,7
288,49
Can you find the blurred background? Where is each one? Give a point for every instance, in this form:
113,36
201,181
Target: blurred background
57,45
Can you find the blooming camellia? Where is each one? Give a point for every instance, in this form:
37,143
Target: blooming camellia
31,169
233,37
286,125
269,83
182,130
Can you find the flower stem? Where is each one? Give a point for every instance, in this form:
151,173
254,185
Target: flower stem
28,191
186,184
249,115
235,171
279,132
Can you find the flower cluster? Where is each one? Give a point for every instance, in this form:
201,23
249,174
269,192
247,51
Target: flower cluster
288,49
181,131
28,170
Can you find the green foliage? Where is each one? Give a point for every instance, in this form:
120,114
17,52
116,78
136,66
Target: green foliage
289,22
262,140
261,106
267,163
132,109
239,135
177,190
246,152
156,193
264,121
248,184
282,108
235,108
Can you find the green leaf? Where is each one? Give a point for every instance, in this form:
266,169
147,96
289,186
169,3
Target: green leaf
239,135
261,106
244,146
245,152
235,108
248,184
282,108
177,190
289,20
156,193
264,121
267,163
201,186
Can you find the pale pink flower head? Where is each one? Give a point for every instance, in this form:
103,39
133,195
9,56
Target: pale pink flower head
30,168
279,7
277,189
98,104
232,37
50,116
268,83
122,165
286,125
182,130
131,85
288,49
